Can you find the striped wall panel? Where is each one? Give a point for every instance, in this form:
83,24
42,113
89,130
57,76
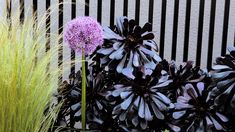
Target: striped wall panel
198,30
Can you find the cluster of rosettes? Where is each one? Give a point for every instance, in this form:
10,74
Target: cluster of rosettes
130,88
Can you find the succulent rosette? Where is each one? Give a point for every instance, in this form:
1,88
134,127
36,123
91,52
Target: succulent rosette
109,124
183,74
224,79
128,46
97,104
196,110
141,100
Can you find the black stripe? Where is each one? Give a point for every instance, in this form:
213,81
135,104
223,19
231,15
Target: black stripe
99,11
125,8
48,29
162,35
137,11
8,2
175,29
186,32
112,12
72,55
73,9
234,39
60,52
225,27
73,15
211,34
87,2
35,8
151,5
22,11
200,32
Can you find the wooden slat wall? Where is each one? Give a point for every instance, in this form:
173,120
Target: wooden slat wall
198,30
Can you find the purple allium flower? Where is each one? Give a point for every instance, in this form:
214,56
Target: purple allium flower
83,33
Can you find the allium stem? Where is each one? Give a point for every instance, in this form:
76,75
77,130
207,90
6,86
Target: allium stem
83,91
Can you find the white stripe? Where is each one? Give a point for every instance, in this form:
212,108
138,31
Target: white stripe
205,34
219,19
231,25
180,33
193,30
169,29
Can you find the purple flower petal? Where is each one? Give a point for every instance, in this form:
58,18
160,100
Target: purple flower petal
200,87
147,114
178,114
220,67
123,115
216,124
156,111
222,117
117,45
143,124
125,94
105,51
136,61
137,101
128,71
109,34
121,65
118,54
150,43
120,25
174,127
135,121
141,108
127,102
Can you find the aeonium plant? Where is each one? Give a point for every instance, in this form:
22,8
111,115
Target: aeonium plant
128,46
196,110
223,76
130,88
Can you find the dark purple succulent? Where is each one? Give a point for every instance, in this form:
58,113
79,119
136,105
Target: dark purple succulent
130,88
141,100
181,75
224,81
97,90
196,111
109,124
128,46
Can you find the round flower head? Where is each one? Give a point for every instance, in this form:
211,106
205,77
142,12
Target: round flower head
83,33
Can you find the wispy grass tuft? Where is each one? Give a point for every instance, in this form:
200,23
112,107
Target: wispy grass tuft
26,84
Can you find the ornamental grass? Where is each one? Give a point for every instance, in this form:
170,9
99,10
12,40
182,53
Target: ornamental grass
26,83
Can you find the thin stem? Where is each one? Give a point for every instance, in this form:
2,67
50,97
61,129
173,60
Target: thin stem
83,91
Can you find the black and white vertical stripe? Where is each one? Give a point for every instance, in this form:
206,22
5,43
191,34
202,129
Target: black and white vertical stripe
198,30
